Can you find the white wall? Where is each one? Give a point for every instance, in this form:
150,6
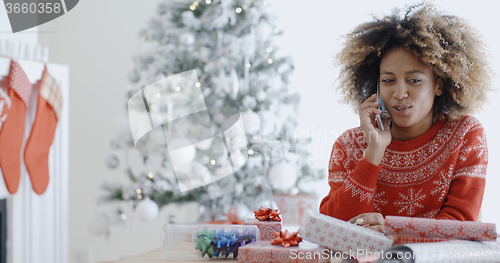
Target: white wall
97,39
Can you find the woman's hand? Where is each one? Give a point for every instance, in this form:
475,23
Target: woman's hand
373,221
377,139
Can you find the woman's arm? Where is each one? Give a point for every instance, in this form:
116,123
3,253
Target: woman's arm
352,177
465,194
352,183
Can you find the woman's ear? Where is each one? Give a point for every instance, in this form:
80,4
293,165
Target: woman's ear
439,86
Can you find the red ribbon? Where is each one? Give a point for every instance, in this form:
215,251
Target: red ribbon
265,214
286,239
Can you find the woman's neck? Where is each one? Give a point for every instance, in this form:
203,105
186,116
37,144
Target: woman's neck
407,133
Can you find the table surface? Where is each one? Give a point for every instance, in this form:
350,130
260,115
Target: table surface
181,252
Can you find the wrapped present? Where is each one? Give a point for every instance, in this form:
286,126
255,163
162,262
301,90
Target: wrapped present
265,252
340,235
292,207
268,221
439,228
266,228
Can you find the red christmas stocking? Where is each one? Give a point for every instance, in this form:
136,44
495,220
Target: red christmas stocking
12,133
36,153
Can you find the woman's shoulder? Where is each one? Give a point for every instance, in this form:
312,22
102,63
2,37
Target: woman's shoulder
465,121
463,125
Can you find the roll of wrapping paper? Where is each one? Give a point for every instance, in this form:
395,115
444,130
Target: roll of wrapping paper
439,228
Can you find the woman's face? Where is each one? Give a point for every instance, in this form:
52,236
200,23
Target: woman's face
407,88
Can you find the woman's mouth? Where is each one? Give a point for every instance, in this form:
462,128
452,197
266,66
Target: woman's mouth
401,109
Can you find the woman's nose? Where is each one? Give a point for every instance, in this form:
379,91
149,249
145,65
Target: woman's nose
400,91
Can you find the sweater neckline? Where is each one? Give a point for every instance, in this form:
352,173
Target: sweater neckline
420,140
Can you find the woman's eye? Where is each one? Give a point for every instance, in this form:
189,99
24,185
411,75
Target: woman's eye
414,80
386,80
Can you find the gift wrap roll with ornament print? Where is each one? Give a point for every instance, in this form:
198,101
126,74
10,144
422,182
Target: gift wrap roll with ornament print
340,235
169,117
439,228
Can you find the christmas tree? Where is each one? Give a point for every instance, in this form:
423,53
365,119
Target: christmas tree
230,45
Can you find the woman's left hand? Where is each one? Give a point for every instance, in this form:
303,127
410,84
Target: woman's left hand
373,221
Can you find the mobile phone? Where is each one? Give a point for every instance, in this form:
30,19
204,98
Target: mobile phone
379,117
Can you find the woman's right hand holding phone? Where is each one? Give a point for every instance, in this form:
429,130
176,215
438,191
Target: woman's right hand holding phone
377,139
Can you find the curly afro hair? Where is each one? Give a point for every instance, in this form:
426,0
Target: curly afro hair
447,44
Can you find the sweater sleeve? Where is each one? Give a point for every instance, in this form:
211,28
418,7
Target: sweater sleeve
466,190
352,183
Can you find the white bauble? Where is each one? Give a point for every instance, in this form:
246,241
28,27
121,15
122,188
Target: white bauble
147,210
134,76
148,49
99,224
260,96
122,129
112,162
282,176
251,121
187,39
263,31
181,156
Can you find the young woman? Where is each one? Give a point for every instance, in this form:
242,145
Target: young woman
430,158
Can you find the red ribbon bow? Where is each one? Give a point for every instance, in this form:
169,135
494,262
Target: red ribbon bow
286,239
264,214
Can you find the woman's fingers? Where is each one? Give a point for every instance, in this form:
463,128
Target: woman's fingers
373,110
368,219
366,105
372,98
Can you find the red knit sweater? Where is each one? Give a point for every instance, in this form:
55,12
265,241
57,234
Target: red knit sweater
440,174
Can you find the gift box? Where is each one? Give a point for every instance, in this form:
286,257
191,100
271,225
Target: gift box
439,228
265,252
266,228
340,235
